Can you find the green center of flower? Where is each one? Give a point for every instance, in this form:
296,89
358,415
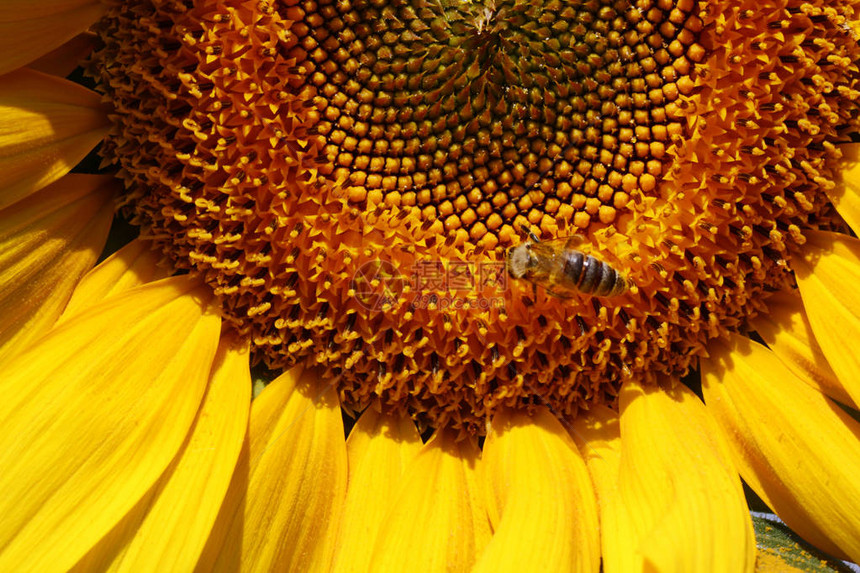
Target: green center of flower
350,176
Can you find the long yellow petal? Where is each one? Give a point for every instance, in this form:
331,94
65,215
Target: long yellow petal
47,125
797,449
678,478
827,276
29,29
677,502
169,528
845,195
93,414
63,60
283,508
379,450
439,521
131,266
786,330
47,243
541,502
597,433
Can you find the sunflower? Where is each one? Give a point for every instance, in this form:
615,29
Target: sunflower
331,189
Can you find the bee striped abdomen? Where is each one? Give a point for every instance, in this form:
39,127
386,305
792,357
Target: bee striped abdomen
612,283
589,275
572,268
592,269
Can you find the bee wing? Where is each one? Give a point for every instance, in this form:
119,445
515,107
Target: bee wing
550,249
562,243
547,253
547,259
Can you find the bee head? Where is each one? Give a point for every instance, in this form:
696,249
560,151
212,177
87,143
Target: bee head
519,260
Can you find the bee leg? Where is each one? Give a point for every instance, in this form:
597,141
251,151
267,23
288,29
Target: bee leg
552,293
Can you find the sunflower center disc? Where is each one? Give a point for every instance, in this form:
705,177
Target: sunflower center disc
348,176
481,113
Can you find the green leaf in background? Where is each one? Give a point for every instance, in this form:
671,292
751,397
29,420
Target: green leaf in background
779,549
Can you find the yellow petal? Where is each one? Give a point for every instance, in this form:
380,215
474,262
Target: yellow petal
379,449
47,125
677,476
63,60
787,332
168,529
678,504
827,276
597,433
541,502
438,520
47,243
845,195
29,29
283,507
131,266
793,446
93,414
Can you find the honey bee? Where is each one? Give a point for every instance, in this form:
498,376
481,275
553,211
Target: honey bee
562,270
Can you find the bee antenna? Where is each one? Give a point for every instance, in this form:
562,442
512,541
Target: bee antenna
534,238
